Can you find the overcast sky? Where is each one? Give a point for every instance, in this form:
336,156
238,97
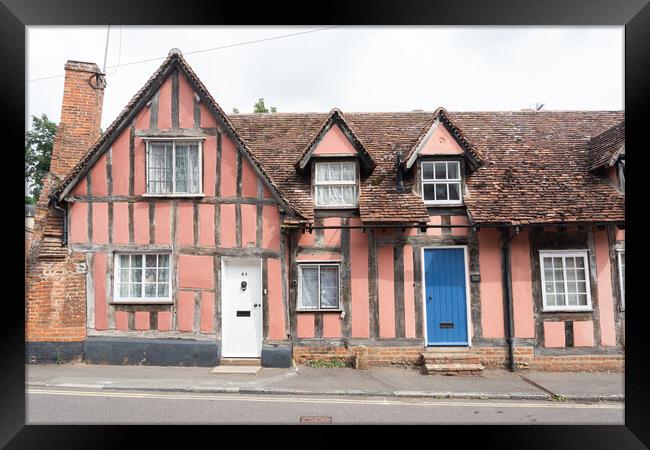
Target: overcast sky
352,68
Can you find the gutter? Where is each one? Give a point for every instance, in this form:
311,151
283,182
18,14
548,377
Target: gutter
506,238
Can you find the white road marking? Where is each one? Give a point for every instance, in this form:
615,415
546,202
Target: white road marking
265,398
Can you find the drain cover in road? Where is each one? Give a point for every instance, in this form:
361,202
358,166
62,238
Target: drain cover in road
315,419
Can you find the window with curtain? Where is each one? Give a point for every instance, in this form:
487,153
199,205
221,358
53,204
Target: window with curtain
335,184
565,280
441,182
318,286
142,278
174,167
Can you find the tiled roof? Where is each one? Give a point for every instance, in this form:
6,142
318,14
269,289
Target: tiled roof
534,163
605,148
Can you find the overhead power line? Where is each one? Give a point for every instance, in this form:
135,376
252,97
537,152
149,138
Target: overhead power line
238,44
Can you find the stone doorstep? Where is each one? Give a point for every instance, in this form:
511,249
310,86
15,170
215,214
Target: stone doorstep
453,367
445,350
240,362
238,370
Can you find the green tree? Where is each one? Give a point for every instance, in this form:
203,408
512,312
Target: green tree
259,107
38,153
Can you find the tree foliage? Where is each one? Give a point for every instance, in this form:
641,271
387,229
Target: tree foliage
259,107
39,140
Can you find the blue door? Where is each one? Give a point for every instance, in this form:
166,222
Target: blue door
445,296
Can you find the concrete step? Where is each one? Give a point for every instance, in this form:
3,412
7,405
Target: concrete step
452,368
456,349
241,362
239,370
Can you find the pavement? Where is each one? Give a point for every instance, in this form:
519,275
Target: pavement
377,381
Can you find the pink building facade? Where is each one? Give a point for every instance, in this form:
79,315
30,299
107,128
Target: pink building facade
283,237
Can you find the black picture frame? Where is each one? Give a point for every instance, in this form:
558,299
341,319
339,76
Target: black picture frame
15,15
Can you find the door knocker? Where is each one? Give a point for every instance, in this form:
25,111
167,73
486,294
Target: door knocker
243,286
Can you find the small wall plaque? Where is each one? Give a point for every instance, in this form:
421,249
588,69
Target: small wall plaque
475,277
80,268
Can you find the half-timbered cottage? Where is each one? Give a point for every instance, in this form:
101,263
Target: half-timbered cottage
183,235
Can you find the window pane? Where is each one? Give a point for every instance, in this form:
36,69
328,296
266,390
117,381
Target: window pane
163,290
428,191
570,274
124,290
441,171
159,166
580,262
559,274
163,261
151,260
559,287
193,150
427,171
572,288
572,300
348,193
150,276
348,170
580,274
336,195
309,292
335,172
136,260
582,299
549,287
581,287
557,263
124,276
550,300
548,275
441,191
570,262
329,287
136,275
322,195
163,275
136,290
181,168
548,263
454,191
124,261
150,290
560,300
322,172
452,170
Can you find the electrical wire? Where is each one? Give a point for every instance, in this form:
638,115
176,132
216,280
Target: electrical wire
201,51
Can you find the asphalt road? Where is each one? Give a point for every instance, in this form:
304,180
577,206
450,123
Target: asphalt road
79,406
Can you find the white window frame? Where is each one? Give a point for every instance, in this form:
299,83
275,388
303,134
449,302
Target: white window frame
199,141
354,183
318,265
447,181
621,282
142,299
584,254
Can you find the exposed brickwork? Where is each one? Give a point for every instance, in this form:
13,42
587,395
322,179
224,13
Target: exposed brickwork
377,356
81,114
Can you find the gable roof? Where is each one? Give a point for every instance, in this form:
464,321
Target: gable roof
173,62
336,118
605,148
534,163
440,115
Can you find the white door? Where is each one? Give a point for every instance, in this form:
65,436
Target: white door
241,308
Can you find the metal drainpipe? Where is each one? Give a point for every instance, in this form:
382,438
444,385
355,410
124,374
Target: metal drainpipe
507,282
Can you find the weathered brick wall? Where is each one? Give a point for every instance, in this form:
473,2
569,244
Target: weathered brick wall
377,356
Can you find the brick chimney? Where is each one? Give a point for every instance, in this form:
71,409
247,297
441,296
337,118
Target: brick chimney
81,115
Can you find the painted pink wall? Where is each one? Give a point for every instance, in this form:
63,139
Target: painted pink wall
332,325
554,334
386,290
332,237
195,272
228,235
459,220
605,298
185,315
433,220
228,168
142,320
162,220
139,159
164,321
248,225
490,286
80,188
320,256
409,293
121,164
121,320
441,143
142,119
359,281
271,227
165,105
583,333
206,224
207,312
276,307
120,223
209,165
185,227
248,180
305,325
185,103
141,223
100,222
98,177
522,286
78,223
334,142
620,234
306,239
99,281
207,119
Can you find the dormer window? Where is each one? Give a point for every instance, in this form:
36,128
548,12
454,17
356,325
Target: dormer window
441,182
174,167
335,184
